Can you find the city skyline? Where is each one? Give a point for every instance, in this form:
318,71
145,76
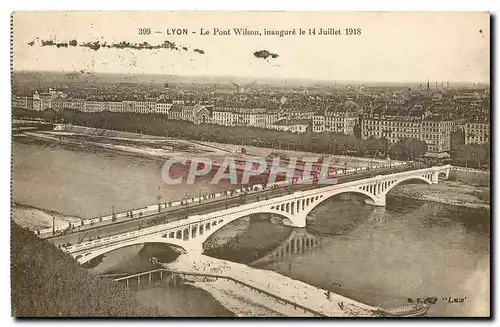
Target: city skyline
268,81
393,47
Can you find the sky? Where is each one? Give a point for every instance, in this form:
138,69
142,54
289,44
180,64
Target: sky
392,47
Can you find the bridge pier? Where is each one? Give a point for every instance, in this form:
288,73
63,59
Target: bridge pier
194,248
435,178
378,201
297,220
187,236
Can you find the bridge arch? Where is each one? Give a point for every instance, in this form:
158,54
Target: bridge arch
177,245
397,182
322,198
191,234
443,174
221,223
375,192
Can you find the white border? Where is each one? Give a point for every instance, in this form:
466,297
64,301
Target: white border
262,5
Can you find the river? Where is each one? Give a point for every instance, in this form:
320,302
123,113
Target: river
380,256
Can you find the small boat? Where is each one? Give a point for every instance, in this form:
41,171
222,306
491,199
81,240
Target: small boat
416,310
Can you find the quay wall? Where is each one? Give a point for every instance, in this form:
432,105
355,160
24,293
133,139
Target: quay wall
470,176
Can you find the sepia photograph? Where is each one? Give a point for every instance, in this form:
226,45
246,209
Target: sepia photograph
250,164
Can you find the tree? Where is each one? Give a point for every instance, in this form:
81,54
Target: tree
408,149
47,282
374,146
475,153
457,139
416,148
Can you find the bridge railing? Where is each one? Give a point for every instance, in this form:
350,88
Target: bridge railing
208,217
151,209
138,213
277,298
170,226
472,170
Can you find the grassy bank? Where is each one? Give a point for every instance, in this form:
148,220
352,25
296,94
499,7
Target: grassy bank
45,282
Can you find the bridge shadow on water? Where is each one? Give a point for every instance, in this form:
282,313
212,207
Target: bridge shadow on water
265,239
132,259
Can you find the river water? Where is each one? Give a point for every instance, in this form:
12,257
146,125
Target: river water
380,256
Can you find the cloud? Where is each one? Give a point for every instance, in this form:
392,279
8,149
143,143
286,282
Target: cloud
168,45
264,54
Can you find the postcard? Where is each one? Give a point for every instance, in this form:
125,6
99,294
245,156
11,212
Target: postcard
250,164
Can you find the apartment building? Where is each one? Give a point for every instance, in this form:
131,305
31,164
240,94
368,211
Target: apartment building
20,102
342,122
115,106
293,126
436,133
163,106
392,128
222,117
477,132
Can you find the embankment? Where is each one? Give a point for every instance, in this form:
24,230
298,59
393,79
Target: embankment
35,218
294,291
470,176
450,192
45,282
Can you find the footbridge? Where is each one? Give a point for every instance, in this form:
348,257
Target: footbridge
189,234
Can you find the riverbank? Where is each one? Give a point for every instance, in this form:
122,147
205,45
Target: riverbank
450,192
296,291
187,301
45,282
157,148
35,218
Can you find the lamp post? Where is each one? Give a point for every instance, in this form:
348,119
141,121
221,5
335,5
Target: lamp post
158,198
371,160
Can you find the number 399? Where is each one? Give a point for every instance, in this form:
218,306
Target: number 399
144,31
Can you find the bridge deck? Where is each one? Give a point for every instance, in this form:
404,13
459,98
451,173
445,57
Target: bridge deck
231,213
168,215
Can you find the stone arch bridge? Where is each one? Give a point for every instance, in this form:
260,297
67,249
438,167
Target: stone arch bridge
188,235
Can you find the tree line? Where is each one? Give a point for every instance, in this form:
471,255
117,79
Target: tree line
326,142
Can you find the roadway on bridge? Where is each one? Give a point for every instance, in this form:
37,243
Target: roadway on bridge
207,206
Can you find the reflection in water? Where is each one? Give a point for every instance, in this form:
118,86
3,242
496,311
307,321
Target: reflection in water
132,259
380,256
247,240
299,241
409,249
